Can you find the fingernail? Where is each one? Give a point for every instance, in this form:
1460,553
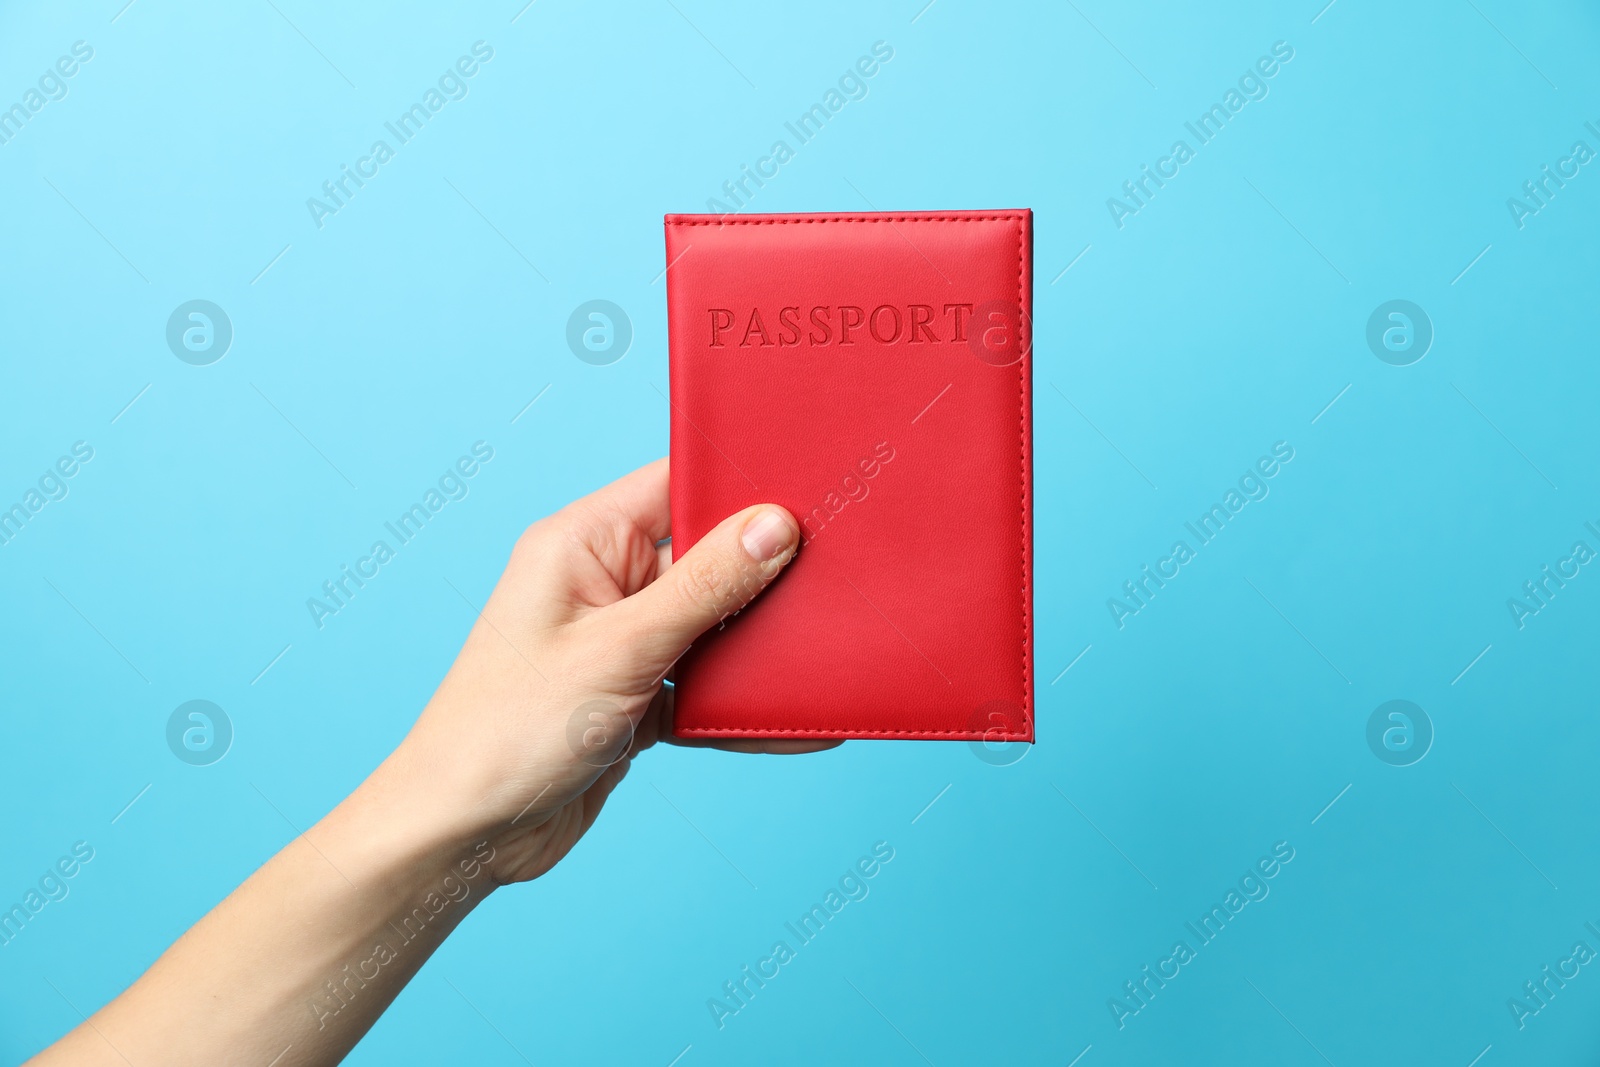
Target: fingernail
766,535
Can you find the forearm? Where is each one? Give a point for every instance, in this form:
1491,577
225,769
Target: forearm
301,960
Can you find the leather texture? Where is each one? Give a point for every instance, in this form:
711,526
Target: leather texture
870,372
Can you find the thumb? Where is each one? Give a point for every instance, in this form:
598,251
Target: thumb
719,576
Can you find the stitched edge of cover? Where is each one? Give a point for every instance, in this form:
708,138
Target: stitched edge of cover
1024,360
853,218
734,733
1022,477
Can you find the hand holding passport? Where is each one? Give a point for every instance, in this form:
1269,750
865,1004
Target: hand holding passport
872,374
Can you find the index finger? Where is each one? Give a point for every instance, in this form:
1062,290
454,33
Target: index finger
641,497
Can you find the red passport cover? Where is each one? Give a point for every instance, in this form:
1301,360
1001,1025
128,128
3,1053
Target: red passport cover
870,372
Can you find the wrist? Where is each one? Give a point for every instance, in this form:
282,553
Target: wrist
402,835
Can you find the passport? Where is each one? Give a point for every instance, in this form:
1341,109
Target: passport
872,373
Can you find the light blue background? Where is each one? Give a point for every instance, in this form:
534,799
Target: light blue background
1222,318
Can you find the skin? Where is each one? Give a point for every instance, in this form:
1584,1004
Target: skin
557,689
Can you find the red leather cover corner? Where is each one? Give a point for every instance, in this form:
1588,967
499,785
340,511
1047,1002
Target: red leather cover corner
871,373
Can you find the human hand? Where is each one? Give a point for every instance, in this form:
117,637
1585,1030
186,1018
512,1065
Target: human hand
559,683
557,688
